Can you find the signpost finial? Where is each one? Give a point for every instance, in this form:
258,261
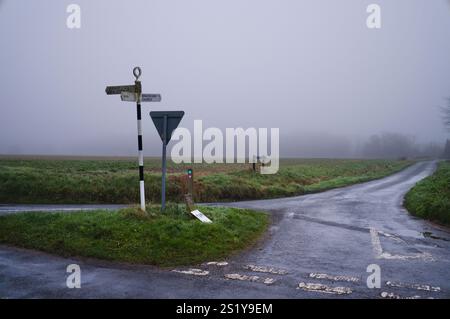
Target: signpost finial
137,72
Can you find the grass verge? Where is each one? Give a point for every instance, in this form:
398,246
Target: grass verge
430,198
169,239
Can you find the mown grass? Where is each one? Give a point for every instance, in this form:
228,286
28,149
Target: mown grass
430,198
116,181
169,239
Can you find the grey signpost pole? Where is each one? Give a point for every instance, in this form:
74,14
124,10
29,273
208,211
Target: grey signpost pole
163,190
165,122
133,93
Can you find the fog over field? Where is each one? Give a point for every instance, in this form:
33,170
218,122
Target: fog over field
310,68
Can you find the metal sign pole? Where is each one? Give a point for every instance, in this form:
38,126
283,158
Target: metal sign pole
163,186
165,123
138,90
190,172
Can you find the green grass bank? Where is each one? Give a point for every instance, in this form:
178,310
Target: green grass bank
430,198
169,239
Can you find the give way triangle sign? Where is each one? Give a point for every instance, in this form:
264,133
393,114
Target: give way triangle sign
166,122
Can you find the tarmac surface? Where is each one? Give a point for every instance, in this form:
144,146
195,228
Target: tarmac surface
318,246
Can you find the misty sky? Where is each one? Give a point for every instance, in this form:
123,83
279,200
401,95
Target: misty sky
310,67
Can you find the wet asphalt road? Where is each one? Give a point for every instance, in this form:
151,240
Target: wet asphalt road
337,233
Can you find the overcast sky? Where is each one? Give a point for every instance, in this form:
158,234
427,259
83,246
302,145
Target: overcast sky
310,67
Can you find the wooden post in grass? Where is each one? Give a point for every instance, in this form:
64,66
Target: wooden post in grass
190,206
188,198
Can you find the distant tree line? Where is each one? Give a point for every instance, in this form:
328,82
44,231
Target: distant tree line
396,145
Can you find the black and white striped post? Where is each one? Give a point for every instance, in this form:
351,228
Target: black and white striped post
133,93
138,91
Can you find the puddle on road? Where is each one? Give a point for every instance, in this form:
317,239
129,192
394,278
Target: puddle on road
428,234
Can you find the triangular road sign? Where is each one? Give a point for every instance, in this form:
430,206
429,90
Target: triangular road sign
173,118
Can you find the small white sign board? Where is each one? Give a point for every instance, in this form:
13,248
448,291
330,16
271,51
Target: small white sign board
131,97
151,98
200,216
128,96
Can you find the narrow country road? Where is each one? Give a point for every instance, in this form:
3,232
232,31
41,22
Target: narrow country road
319,246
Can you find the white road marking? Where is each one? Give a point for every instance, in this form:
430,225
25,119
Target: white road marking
241,277
379,254
391,295
376,244
423,256
393,237
192,271
265,269
324,288
413,286
333,278
217,263
267,281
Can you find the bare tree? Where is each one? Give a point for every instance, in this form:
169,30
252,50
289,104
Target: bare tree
446,114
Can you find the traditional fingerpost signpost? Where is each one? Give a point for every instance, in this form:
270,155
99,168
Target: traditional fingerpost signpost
133,93
165,123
